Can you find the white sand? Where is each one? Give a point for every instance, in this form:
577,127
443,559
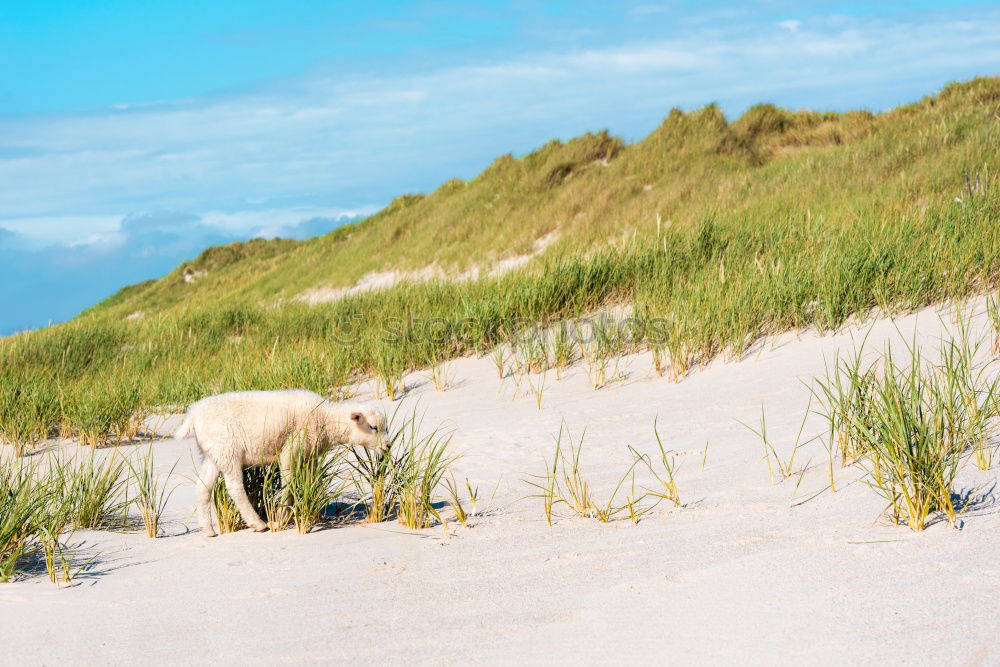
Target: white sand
378,280
738,575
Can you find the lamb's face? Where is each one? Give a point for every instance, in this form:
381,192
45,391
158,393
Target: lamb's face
368,430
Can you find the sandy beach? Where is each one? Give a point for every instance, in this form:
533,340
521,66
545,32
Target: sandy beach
745,572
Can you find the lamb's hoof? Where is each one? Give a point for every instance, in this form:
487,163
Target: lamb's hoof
208,533
259,527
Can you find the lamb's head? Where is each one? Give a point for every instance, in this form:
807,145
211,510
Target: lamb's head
367,429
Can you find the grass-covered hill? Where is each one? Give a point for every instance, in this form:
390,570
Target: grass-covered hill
717,232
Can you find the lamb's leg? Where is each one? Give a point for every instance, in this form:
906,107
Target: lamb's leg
234,484
207,477
285,465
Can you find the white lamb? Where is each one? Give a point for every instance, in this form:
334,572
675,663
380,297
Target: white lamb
247,428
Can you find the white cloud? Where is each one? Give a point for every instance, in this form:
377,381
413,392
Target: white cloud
54,228
648,10
653,57
79,231
791,25
255,221
105,239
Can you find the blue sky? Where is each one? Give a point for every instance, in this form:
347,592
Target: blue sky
133,134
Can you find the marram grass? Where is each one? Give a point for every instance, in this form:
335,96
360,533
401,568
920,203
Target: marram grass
775,221
402,481
564,483
780,275
913,424
40,505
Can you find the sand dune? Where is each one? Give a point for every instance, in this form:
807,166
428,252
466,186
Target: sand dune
742,573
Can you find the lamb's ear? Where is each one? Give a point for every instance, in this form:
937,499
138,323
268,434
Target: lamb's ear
357,417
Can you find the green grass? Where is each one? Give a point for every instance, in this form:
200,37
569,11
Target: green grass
226,513
993,313
41,504
312,485
455,500
775,221
20,500
96,491
780,469
666,487
913,424
374,483
402,482
263,485
563,482
151,492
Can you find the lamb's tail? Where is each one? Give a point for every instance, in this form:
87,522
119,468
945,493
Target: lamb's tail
186,428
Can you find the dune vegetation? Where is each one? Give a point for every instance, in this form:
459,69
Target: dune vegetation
913,424
44,499
715,232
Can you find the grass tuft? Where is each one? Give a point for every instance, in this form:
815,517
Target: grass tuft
911,422
151,497
563,482
95,492
401,482
993,313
